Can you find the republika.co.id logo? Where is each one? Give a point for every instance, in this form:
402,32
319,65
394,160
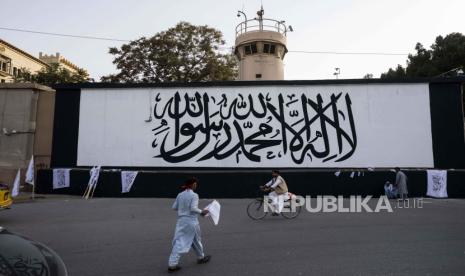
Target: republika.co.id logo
331,204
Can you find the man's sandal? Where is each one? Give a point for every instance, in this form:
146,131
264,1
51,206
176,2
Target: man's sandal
204,260
173,268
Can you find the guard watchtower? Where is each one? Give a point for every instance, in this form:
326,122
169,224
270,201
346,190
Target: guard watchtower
260,47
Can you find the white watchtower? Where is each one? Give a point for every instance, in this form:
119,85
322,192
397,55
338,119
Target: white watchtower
260,47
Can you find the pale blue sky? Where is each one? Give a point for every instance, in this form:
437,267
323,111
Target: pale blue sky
332,25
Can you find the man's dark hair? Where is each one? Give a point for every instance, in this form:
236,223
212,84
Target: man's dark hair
397,169
190,181
275,171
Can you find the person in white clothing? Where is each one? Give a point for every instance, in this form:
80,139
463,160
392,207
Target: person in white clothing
277,187
187,233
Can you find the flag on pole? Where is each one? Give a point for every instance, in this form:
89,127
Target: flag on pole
94,174
15,190
127,179
30,172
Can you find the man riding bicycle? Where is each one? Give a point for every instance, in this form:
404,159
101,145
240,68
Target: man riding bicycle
278,189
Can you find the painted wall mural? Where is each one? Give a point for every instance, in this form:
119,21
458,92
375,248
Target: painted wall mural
370,125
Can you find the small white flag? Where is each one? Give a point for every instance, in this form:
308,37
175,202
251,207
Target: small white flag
61,178
94,174
214,209
30,172
127,179
437,183
15,190
337,173
352,175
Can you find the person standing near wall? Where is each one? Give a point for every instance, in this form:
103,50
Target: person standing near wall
401,184
187,233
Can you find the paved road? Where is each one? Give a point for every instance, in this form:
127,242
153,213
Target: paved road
133,237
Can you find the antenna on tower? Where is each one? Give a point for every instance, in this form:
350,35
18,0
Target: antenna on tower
260,14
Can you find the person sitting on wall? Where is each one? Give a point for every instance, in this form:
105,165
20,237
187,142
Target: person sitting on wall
389,190
278,189
401,184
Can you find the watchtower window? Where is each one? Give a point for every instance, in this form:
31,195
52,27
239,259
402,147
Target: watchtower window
269,48
250,49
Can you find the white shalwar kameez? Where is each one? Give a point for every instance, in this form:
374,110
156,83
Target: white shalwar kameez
187,233
277,200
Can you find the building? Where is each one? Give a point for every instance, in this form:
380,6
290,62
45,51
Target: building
60,60
14,60
260,47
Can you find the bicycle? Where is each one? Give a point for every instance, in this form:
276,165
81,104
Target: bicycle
256,208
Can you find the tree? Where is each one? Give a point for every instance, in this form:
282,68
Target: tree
368,76
183,53
53,74
399,72
446,54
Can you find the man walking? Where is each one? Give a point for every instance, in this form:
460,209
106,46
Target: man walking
401,184
187,233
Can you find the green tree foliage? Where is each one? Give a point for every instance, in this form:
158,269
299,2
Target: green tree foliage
53,74
446,53
399,72
183,53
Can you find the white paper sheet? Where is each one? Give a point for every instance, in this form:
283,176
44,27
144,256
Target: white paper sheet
214,211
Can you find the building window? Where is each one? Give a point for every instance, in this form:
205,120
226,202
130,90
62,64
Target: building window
250,49
15,71
4,67
258,76
2,81
269,48
19,72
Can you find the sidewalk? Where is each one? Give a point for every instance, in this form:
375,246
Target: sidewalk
24,197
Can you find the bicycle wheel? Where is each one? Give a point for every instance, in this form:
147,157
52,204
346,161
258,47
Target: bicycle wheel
255,209
289,213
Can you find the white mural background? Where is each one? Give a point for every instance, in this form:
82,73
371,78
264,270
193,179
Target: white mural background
363,125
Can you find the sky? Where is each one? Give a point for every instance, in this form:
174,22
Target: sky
393,26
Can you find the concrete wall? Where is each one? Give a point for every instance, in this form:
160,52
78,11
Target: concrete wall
26,127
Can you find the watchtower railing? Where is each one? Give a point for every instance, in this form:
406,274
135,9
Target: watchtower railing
255,25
